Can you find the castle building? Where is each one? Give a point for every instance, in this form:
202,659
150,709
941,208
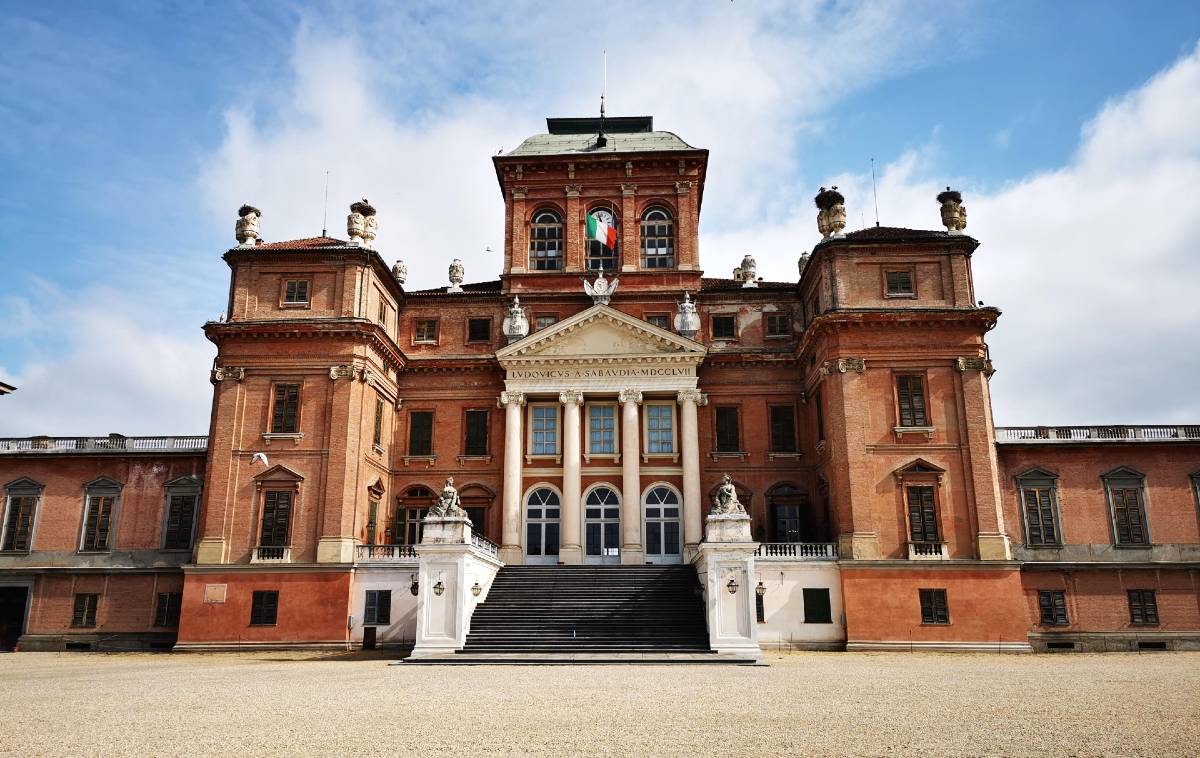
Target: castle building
587,405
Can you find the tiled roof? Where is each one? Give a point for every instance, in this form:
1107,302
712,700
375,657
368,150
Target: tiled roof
482,288
308,243
712,284
895,234
585,144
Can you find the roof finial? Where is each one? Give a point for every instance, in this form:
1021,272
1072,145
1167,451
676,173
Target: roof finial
601,140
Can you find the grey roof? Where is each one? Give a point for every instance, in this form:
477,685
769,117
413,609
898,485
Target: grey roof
585,144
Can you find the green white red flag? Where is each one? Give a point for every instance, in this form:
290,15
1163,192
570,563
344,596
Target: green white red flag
599,230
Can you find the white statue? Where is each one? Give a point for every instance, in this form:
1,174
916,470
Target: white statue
831,213
370,229
447,503
356,222
954,213
400,272
803,262
726,499
687,321
601,290
457,274
516,323
246,228
749,271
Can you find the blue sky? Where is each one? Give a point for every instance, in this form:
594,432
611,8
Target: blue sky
130,132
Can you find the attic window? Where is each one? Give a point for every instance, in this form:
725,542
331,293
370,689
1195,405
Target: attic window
723,328
295,292
900,284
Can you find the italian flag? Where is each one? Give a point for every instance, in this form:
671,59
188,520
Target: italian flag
599,230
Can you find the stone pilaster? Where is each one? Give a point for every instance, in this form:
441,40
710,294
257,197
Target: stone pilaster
510,547
632,549
571,551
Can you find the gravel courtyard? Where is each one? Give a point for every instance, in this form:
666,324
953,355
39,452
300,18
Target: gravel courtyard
803,704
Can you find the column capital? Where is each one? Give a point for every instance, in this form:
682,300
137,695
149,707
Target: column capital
570,397
630,395
692,396
512,398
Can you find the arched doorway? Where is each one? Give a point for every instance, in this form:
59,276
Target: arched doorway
662,525
543,509
602,525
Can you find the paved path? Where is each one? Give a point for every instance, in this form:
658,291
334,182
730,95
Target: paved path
803,704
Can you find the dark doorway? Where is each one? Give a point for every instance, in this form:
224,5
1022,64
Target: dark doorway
368,638
12,615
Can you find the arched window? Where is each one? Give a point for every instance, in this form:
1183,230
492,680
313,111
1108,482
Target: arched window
542,513
602,525
662,525
546,241
658,238
603,234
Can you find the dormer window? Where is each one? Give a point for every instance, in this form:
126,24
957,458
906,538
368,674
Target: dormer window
602,240
546,241
658,238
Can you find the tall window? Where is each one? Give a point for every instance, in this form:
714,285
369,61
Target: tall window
181,515
16,530
372,520
84,612
1143,607
166,608
284,418
602,244
264,607
477,433
378,608
910,395
1126,496
602,429
99,515
1038,501
728,433
420,433
658,238
1053,607
378,434
934,609
295,292
783,429
820,415
922,513
660,437
544,430
546,241
276,518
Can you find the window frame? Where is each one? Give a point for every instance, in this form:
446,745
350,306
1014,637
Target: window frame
102,487
529,434
487,433
383,312
191,486
561,237
939,534
886,270
615,252
804,594
933,599
782,316
276,386
716,416
795,432
167,606
437,330
647,315
488,320
1125,479
88,616
672,255
377,427
1137,599
376,613
1052,608
1036,480
898,398
674,415
589,453
284,282
712,326
259,607
292,507
20,489
538,316
409,447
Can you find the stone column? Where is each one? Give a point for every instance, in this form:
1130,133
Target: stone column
689,439
571,551
513,404
632,550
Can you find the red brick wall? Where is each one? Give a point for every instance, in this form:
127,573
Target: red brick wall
312,607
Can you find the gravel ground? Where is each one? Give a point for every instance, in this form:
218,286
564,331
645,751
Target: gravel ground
803,704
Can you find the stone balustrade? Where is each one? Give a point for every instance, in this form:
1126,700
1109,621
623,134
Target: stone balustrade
113,442
386,554
797,551
1110,433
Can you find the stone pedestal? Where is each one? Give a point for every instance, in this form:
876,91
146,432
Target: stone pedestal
726,554
447,530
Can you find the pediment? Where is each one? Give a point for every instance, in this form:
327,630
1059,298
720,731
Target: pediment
279,473
602,332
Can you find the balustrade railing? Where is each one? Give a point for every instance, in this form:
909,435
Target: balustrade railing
387,553
485,545
1118,432
927,551
798,551
271,554
192,443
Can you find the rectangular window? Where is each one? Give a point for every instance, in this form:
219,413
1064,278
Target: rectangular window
900,283
817,609
545,430
372,520
479,330
933,607
661,320
660,437
264,607
1053,605
166,608
84,613
602,429
383,313
910,394
425,331
787,523
922,513
783,429
1040,524
378,435
97,523
723,328
18,523
728,436
284,419
295,292
544,321
760,611
820,415
378,609
1143,607
181,514
478,518
1128,516
276,518
777,325
477,433
420,433
412,525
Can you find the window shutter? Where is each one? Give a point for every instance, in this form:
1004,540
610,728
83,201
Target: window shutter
910,393
477,441
420,433
783,429
1033,517
922,514
371,611
277,511
727,430
384,613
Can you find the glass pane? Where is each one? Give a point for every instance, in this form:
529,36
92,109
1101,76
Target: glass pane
593,513
671,542
612,541
612,513
535,513
653,538
671,512
533,539
593,539
551,539
652,512
551,497
552,513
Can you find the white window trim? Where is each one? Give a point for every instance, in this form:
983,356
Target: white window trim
646,454
180,488
100,490
22,491
530,456
615,455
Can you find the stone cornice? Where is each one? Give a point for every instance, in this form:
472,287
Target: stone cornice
360,329
676,348
331,254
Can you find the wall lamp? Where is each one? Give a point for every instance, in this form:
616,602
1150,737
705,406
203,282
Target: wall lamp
732,586
439,588
414,587
760,590
476,589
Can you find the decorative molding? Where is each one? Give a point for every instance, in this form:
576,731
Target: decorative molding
367,376
842,365
694,396
508,398
221,373
628,168
573,190
462,459
519,193
740,455
628,189
295,437
683,188
567,397
975,363
630,395
571,170
428,460
682,170
900,431
344,371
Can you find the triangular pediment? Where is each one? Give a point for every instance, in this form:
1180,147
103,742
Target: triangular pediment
279,473
601,332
